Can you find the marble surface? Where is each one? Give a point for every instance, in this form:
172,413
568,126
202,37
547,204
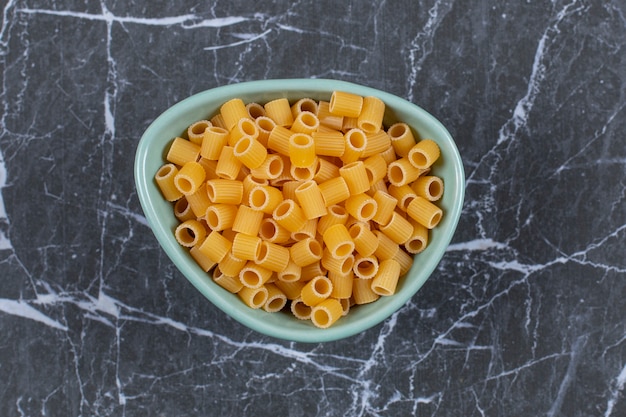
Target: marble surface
524,316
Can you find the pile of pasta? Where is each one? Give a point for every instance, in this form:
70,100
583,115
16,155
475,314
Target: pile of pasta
308,206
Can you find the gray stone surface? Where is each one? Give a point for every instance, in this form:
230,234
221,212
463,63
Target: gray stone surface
524,316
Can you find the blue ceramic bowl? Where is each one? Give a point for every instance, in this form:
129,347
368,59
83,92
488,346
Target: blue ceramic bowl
159,213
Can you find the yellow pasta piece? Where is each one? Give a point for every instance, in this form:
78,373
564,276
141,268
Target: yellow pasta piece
220,216
224,191
350,123
190,178
405,260
428,186
311,200
355,144
246,247
304,104
265,198
272,256
215,138
336,215
338,241
250,152
362,292
345,104
255,110
402,138
291,273
329,143
198,202
389,155
195,132
228,166
273,232
327,118
424,153
386,279
165,180
424,212
397,229
309,230
276,299
247,220
306,252
249,182
183,211
365,241
253,275
385,207
326,313
182,151
231,265
265,125
361,206
215,246
337,265
334,191
300,310
310,271
232,111
342,284
190,233
370,120
271,168
387,248
204,262
316,290
254,298
289,189
291,289
209,167
279,110
365,267
218,121
402,172
325,171
301,150
278,140
418,240
305,122
404,194
355,176
289,215
377,144
229,283
376,168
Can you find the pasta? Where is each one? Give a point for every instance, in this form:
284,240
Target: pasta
310,207
311,200
195,132
215,138
165,180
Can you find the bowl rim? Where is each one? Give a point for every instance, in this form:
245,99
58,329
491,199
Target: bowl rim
282,87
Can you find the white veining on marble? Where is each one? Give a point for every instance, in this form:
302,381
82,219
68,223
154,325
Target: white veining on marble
21,308
422,44
363,374
537,75
246,39
5,243
187,21
616,392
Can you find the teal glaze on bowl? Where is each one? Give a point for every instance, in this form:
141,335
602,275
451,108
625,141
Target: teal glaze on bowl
159,213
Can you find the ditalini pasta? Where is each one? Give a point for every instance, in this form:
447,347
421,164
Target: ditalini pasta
310,207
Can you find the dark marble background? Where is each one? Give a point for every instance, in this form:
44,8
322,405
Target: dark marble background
525,315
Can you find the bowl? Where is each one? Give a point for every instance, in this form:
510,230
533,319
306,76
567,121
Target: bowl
159,213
